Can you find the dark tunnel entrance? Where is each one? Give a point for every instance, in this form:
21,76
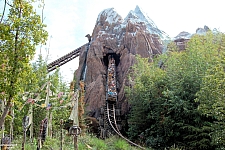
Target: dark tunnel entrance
114,55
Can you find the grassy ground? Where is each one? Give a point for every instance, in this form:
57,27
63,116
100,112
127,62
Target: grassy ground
87,142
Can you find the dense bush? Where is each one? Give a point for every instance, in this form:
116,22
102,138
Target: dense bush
166,102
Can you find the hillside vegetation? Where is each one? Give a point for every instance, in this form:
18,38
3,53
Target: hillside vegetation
181,102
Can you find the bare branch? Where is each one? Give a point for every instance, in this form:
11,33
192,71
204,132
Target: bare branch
42,13
48,49
3,12
8,3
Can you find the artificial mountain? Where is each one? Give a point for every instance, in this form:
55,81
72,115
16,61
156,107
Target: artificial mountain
135,35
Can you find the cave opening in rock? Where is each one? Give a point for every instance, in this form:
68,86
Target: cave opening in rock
114,55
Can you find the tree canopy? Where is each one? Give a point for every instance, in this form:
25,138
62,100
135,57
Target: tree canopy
180,103
20,32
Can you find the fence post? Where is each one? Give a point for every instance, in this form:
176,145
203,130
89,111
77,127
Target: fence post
61,134
75,131
25,124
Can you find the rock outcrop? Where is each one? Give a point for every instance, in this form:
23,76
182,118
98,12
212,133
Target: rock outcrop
124,38
202,31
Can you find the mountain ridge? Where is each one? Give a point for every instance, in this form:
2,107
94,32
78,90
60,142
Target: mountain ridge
136,16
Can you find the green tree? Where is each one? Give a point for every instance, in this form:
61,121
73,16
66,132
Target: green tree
211,95
57,85
164,111
20,32
147,110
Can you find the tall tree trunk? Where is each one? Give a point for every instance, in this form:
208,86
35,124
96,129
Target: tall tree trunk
46,104
5,112
3,126
32,125
13,80
11,123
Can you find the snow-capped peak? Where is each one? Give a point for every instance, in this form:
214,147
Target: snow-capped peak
111,14
135,16
138,16
131,15
143,16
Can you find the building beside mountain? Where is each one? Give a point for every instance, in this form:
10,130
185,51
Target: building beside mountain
183,37
181,40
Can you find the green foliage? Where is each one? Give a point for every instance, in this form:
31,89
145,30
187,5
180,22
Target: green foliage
20,32
164,108
36,90
112,143
141,91
51,144
211,95
121,145
84,143
56,85
95,143
172,47
48,144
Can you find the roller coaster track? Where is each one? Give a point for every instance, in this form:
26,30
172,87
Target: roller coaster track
114,126
66,58
111,100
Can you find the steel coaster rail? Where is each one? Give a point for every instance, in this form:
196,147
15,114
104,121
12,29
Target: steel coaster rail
118,132
64,59
111,113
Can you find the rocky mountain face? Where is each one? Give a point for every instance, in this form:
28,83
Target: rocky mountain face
123,38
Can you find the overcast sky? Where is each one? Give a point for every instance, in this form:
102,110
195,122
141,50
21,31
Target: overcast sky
68,21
